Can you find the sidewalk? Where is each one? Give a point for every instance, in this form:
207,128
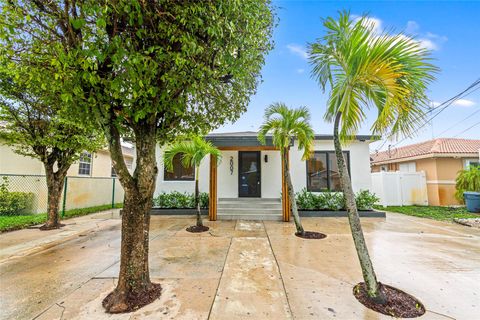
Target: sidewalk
31,240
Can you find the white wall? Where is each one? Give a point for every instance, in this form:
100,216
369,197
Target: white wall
359,164
271,171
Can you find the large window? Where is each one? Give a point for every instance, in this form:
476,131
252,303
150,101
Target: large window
179,172
85,164
322,171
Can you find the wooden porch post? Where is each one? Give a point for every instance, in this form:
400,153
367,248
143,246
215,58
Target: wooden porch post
285,197
212,202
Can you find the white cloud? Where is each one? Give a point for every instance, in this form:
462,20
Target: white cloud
435,104
464,103
427,44
300,71
372,22
298,50
412,27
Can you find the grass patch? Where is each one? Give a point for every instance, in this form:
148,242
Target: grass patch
431,212
10,223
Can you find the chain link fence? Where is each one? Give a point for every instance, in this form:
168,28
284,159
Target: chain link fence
78,192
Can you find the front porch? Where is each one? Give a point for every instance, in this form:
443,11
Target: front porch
248,183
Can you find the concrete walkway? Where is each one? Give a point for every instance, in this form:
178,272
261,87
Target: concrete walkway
247,270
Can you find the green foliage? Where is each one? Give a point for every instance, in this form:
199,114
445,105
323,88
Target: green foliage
193,151
287,124
179,200
13,203
10,223
333,201
467,180
363,68
365,200
432,212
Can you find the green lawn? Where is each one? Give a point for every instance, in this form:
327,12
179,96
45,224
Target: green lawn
431,212
10,223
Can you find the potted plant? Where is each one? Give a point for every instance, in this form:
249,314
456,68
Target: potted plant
468,188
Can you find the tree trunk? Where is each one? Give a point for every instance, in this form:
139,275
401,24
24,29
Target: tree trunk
197,199
354,220
291,193
134,288
55,183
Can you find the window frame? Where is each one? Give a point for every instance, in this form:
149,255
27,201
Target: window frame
467,162
165,171
90,164
327,160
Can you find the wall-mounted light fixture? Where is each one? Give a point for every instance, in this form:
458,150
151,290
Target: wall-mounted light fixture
266,158
231,165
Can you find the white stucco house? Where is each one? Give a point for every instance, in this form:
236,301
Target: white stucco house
248,181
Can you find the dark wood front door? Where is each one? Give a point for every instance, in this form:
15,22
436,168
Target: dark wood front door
249,181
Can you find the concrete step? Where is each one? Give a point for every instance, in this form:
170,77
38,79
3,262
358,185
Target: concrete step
250,216
249,211
265,200
248,205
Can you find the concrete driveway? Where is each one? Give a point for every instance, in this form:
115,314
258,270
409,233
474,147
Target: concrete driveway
243,269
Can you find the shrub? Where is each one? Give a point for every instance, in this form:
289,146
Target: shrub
366,200
13,203
333,200
467,180
179,200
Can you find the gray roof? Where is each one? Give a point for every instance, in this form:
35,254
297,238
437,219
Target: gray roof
249,138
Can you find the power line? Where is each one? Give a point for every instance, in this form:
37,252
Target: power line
443,106
474,125
456,124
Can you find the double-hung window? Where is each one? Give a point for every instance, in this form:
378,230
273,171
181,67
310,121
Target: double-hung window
322,171
85,164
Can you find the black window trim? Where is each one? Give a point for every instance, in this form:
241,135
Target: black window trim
327,159
177,179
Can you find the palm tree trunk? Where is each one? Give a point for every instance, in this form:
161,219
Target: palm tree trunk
291,194
197,198
353,218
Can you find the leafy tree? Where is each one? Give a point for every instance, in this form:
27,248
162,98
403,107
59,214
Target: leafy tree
192,152
285,125
151,70
365,69
34,126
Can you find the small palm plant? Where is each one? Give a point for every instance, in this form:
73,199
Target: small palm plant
285,125
192,151
467,180
365,69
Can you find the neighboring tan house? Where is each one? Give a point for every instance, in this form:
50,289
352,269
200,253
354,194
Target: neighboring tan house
249,180
440,159
97,164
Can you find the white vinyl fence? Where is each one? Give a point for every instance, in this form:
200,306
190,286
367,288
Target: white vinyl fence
400,188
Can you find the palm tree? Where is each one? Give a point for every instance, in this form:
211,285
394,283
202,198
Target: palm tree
366,69
192,152
286,124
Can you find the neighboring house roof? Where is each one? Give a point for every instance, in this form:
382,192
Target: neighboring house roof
249,138
442,147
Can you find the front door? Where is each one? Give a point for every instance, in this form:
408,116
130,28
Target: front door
249,184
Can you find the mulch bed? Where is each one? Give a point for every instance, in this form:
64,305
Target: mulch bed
399,304
197,229
45,228
134,301
310,235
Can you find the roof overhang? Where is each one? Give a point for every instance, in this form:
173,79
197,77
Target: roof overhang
252,140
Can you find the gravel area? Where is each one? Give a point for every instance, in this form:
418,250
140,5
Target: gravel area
471,222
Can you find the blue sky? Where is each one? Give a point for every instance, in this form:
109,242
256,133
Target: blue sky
450,29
